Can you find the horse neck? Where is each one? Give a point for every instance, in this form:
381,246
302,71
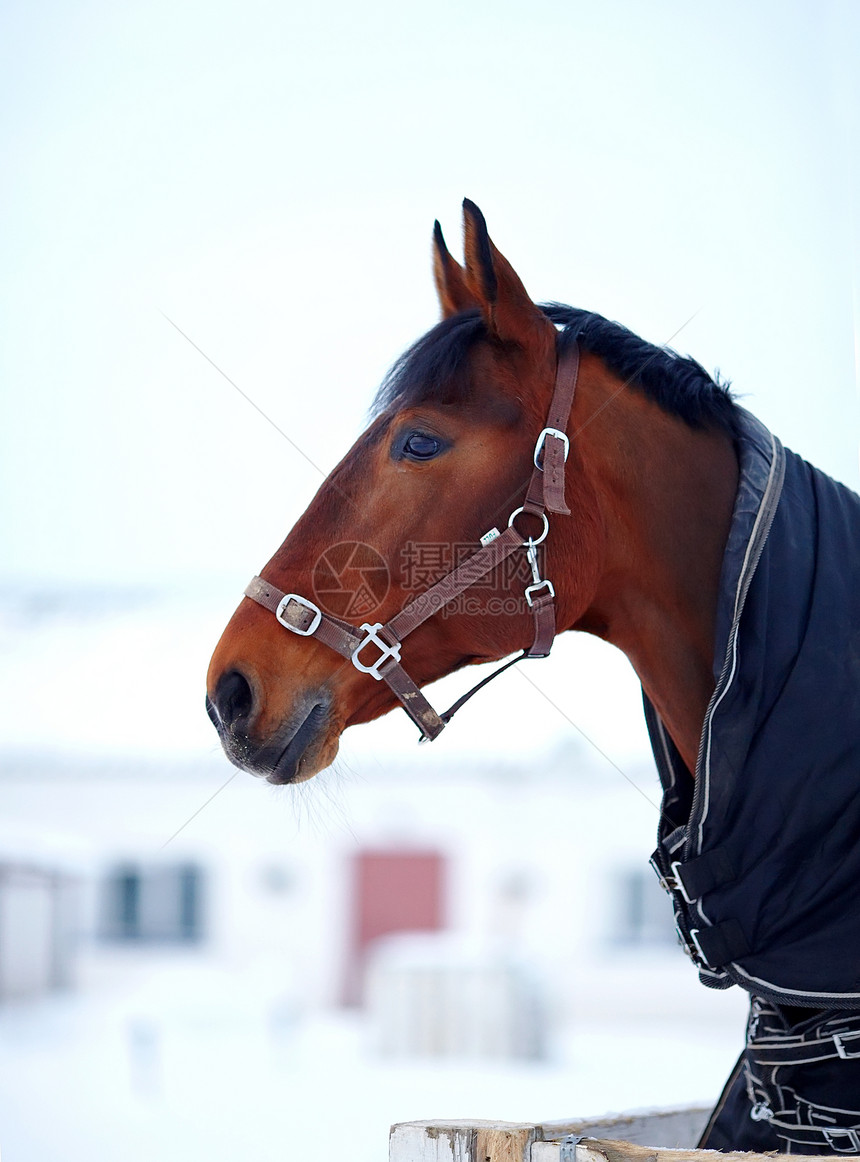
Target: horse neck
665,493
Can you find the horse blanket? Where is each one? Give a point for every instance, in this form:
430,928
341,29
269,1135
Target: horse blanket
761,853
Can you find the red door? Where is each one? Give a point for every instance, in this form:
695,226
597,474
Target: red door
392,891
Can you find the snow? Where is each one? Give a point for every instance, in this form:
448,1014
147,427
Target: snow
220,1055
173,1064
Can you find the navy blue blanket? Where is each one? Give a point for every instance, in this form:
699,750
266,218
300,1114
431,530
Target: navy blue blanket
762,853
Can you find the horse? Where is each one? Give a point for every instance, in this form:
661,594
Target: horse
638,502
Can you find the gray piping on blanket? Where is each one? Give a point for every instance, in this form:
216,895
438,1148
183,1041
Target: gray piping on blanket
752,556
754,550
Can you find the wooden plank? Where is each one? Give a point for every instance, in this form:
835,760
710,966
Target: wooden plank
609,1151
482,1141
545,1152
431,1142
454,1141
595,1150
475,1141
678,1128
509,1143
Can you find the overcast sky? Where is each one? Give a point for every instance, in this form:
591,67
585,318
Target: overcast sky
267,174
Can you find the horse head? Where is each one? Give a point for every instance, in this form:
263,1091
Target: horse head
446,458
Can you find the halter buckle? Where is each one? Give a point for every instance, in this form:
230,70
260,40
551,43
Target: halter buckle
371,633
531,589
280,614
541,440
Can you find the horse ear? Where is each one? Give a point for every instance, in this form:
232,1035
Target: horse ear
505,304
451,286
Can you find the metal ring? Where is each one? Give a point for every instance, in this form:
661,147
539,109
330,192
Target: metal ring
530,540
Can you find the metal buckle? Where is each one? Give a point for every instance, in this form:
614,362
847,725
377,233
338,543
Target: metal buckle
849,1138
530,540
372,636
694,933
530,589
692,947
670,883
846,1054
761,1112
540,443
677,884
661,879
303,601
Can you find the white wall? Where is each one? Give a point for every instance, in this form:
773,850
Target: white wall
533,862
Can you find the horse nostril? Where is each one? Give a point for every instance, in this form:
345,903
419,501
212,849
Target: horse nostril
234,699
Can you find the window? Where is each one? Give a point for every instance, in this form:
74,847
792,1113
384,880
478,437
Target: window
153,903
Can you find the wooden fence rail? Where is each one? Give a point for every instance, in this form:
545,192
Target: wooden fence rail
660,1136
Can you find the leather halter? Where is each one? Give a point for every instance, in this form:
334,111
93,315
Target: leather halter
545,493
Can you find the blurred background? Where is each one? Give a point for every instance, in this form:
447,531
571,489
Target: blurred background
199,198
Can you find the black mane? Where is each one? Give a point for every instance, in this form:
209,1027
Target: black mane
435,369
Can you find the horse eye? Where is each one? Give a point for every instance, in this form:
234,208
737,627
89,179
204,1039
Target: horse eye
419,446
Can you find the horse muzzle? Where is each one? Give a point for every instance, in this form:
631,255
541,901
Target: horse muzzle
299,748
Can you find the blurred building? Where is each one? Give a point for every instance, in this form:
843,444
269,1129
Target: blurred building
535,886
470,905
40,889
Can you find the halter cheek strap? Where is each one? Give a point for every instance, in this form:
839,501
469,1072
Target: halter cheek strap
374,649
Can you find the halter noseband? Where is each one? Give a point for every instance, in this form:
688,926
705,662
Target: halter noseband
545,494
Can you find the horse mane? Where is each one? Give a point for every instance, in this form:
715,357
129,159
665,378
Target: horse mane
435,369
